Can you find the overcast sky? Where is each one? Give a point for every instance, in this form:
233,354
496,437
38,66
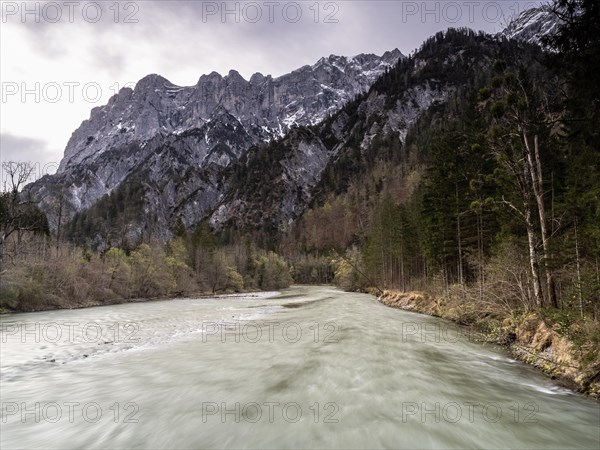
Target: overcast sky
58,60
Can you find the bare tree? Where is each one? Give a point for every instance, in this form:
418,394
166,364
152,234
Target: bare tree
521,113
17,213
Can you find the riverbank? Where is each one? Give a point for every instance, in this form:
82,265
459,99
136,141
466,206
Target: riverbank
66,304
562,347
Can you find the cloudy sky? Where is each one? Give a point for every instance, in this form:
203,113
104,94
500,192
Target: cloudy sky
58,60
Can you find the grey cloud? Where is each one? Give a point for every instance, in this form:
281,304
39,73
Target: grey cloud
114,61
25,149
281,46
43,23
179,41
185,33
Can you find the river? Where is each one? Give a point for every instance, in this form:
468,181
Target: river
310,367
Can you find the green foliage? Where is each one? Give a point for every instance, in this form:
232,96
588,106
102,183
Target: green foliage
313,269
119,271
273,272
179,229
392,245
484,94
577,45
151,276
499,66
234,280
497,82
349,274
498,109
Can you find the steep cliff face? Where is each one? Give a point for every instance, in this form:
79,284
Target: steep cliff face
274,183
162,130
265,106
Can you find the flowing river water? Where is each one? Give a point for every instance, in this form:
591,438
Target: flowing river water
310,367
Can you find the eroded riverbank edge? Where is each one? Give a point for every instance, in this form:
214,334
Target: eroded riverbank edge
530,338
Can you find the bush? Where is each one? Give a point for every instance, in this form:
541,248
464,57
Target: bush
235,281
347,275
151,275
273,272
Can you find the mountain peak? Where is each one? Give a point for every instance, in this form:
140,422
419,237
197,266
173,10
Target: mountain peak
235,75
152,80
257,78
211,76
392,56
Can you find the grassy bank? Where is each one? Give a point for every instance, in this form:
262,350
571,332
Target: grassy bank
564,347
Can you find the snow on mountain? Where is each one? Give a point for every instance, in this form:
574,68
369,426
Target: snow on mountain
179,138
156,106
532,25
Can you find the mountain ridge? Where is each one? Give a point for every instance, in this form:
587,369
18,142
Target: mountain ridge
274,103
219,118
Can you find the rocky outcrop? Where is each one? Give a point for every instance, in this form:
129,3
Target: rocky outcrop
532,25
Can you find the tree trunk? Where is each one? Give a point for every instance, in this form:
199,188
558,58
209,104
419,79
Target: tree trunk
59,225
538,191
533,262
2,252
531,235
578,265
480,251
459,238
402,274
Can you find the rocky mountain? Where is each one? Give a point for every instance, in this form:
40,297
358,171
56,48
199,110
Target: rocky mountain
199,129
532,25
264,106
